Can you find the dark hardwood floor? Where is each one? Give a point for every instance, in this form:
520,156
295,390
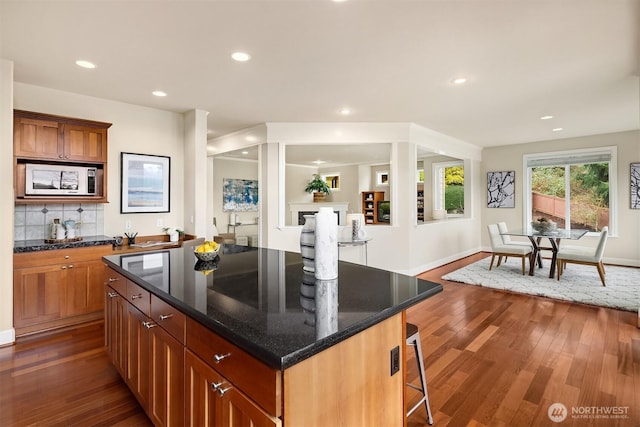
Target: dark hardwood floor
500,359
492,359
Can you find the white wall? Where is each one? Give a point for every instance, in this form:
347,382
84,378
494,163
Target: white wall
623,248
7,333
400,247
135,129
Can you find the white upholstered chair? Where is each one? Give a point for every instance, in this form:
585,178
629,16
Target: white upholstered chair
500,249
584,255
506,239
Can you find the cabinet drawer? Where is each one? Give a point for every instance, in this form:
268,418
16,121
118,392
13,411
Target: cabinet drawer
117,281
60,256
139,297
170,318
258,381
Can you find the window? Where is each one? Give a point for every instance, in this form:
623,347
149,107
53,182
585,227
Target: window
576,189
420,175
448,187
332,180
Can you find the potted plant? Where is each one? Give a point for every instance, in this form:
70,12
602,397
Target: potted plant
318,187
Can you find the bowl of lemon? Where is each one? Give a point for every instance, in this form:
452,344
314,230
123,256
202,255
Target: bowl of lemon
207,251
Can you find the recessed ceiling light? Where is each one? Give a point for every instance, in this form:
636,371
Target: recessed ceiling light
159,93
245,152
344,111
459,80
318,162
240,56
546,117
85,64
556,129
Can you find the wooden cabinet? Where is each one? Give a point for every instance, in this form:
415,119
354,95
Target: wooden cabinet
213,401
57,288
49,139
115,330
149,358
370,201
61,139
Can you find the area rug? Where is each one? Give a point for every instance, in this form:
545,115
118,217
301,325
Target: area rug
579,283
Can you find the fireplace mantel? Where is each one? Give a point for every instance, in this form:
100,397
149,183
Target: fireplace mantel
339,207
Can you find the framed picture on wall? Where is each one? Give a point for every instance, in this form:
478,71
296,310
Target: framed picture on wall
144,182
501,189
239,195
634,178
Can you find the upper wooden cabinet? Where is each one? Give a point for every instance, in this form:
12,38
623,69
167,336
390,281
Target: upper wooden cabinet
61,139
48,139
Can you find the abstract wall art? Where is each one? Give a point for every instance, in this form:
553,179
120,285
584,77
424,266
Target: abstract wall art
501,189
239,195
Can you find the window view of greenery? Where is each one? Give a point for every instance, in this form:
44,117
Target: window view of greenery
586,190
454,189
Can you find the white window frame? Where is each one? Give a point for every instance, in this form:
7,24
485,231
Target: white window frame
562,158
438,186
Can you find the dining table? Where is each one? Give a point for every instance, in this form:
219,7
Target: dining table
555,236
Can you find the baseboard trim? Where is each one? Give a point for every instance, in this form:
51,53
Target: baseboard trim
7,337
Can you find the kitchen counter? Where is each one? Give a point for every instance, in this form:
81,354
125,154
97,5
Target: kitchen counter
21,246
260,299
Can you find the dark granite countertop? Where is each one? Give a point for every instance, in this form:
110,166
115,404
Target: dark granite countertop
20,246
260,299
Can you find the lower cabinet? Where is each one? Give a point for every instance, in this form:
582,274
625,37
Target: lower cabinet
149,359
146,339
57,288
213,401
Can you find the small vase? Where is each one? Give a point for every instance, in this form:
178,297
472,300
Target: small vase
174,237
307,243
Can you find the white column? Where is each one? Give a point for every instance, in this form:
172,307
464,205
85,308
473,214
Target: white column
7,333
195,173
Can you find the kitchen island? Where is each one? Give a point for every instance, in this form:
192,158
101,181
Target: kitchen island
251,336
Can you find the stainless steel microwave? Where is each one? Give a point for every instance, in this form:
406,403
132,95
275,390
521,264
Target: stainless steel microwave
60,180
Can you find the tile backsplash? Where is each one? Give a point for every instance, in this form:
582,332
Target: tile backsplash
34,221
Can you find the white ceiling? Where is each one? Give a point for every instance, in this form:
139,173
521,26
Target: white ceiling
387,60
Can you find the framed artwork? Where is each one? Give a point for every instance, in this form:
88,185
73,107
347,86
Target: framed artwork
144,183
501,189
634,177
239,195
382,178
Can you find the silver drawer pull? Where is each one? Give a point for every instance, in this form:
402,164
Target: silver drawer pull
216,386
113,279
70,265
67,257
64,267
136,296
220,357
165,317
149,325
222,391
112,294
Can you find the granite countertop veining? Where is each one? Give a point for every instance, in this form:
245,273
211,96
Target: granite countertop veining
20,246
261,300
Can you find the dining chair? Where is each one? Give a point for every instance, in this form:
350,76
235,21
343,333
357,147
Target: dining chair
506,239
500,249
584,255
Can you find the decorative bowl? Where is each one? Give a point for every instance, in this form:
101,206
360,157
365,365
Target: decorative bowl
206,256
543,227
